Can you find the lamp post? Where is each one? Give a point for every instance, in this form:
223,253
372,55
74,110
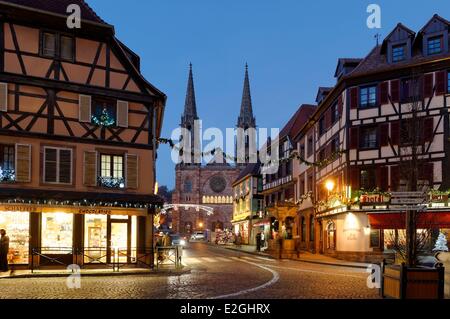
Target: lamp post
329,185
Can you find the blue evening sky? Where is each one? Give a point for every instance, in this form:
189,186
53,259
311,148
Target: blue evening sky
291,47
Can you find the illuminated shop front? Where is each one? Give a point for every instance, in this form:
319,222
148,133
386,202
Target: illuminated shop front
100,236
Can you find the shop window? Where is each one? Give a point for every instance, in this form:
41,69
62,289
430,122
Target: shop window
57,165
112,171
95,238
303,229
7,162
57,232
17,227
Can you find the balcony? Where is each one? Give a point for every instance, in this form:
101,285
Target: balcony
111,182
7,176
279,182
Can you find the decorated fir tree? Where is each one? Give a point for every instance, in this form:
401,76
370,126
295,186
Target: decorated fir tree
441,243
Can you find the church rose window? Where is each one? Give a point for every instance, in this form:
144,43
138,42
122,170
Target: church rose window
218,184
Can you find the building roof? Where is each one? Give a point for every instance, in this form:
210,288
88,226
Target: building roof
246,118
59,7
297,121
249,170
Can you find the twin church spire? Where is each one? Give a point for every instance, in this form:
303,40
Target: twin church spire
245,120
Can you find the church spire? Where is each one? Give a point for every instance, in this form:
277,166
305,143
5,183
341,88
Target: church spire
246,118
190,106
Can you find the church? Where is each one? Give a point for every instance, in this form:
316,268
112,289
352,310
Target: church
201,185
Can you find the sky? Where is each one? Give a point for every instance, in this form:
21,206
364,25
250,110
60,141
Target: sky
291,47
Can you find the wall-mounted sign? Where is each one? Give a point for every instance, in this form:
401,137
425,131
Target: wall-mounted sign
374,198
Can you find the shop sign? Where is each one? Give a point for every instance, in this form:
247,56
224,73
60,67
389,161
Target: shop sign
374,199
20,208
95,211
408,198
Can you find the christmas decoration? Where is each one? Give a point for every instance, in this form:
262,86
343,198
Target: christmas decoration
441,243
111,182
104,119
7,176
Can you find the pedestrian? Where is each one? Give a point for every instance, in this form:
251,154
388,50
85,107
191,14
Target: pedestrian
239,240
258,242
4,249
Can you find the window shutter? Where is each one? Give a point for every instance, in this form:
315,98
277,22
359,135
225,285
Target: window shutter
354,137
23,163
85,108
354,177
395,177
395,91
122,113
90,169
382,178
65,166
132,171
428,85
384,93
395,132
340,105
428,129
3,97
441,82
354,98
384,134
50,165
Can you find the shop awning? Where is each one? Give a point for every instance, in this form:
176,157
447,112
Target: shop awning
425,220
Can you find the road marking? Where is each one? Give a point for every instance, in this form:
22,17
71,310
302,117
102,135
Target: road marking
275,278
267,259
316,271
192,260
223,259
209,260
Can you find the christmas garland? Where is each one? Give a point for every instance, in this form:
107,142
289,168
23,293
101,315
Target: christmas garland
294,155
7,176
104,119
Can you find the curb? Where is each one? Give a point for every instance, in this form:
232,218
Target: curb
155,273
246,252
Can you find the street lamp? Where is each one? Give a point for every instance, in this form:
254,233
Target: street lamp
200,224
329,185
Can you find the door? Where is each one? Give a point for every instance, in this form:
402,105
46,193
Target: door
119,242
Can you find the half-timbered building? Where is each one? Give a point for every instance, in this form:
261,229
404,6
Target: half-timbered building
368,115
78,131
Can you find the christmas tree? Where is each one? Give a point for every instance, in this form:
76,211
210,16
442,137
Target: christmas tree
441,243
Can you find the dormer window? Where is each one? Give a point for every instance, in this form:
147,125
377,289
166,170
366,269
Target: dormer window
435,45
398,53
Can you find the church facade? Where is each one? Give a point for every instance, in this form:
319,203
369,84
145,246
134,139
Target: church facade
207,185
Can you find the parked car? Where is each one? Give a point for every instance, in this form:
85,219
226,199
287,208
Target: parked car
198,235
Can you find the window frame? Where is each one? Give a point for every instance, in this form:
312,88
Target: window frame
111,165
110,103
448,81
335,116
310,146
322,126
57,54
2,157
394,57
368,104
362,130
441,44
373,178
58,164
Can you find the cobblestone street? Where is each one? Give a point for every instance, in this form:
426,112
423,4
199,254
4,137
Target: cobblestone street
216,273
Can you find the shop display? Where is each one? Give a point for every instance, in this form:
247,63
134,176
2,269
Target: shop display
57,232
17,226
95,241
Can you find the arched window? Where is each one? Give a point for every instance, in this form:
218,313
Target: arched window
331,236
188,186
311,228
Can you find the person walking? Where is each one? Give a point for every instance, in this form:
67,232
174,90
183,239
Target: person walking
4,249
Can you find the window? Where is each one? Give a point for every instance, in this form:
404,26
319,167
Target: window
301,187
52,41
17,225
368,96
322,125
104,112
335,113
112,166
66,48
7,153
410,90
367,179
398,53
57,165
311,228
49,44
335,145
310,183
188,186
435,45
322,155
310,146
448,82
303,229
331,236
369,137
302,150
57,232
